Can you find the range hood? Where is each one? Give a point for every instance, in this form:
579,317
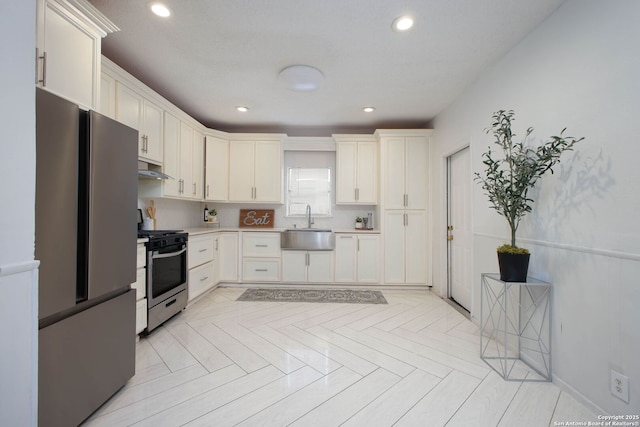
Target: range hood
149,174
145,172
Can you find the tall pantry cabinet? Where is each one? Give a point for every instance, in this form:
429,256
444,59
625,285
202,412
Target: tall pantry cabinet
405,183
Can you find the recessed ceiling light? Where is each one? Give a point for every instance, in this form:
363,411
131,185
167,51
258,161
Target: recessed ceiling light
368,109
242,109
402,23
160,9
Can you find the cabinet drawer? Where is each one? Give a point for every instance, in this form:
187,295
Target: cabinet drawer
141,315
261,269
200,280
200,250
259,245
141,256
140,284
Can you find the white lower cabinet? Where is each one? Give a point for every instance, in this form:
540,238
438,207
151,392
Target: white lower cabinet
227,254
141,315
261,269
357,258
201,261
141,288
201,279
260,257
307,266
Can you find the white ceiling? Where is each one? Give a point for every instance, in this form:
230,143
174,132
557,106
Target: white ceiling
213,55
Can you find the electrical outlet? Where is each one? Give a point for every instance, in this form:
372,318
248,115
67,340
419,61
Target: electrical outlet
620,386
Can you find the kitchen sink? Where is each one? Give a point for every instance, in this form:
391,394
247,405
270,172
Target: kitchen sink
307,239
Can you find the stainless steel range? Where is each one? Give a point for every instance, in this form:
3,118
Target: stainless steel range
166,275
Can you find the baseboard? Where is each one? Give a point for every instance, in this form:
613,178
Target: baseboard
578,396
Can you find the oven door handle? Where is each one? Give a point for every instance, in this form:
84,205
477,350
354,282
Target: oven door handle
156,255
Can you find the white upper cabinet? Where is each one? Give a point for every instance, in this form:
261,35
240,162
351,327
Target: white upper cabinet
68,44
107,96
183,162
191,162
356,172
255,173
137,112
216,186
197,165
406,172
171,166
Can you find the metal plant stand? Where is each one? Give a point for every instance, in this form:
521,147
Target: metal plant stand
515,328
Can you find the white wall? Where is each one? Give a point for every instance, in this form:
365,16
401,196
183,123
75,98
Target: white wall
579,69
18,273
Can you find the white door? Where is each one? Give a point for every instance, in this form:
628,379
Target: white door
459,239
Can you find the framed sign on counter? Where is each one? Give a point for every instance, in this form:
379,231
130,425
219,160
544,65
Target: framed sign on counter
256,218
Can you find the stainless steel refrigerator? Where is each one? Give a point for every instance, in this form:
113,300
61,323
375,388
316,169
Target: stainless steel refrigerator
85,240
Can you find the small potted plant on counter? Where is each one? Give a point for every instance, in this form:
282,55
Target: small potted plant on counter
507,182
358,222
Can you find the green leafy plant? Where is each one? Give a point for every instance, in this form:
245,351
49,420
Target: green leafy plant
358,219
213,212
507,180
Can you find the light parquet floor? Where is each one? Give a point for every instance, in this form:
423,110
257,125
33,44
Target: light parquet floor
413,362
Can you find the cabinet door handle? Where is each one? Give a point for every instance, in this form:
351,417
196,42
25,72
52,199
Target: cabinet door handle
216,244
207,190
37,66
194,188
358,244
261,269
262,246
306,259
203,250
204,278
44,68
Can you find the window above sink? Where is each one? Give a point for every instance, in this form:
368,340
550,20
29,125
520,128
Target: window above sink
308,186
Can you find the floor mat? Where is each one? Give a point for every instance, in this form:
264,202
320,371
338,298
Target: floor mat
312,295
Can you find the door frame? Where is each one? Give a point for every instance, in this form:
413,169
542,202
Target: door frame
445,247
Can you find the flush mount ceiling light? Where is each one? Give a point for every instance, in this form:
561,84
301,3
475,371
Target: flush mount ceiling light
402,23
160,9
368,109
301,78
242,109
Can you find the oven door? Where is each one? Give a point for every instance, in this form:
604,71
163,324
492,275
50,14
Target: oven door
167,273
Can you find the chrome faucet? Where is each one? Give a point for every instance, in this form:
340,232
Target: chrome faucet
309,220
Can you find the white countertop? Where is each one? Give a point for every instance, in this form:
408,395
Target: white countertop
211,229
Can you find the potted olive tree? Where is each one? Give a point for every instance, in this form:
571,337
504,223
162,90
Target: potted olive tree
507,182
